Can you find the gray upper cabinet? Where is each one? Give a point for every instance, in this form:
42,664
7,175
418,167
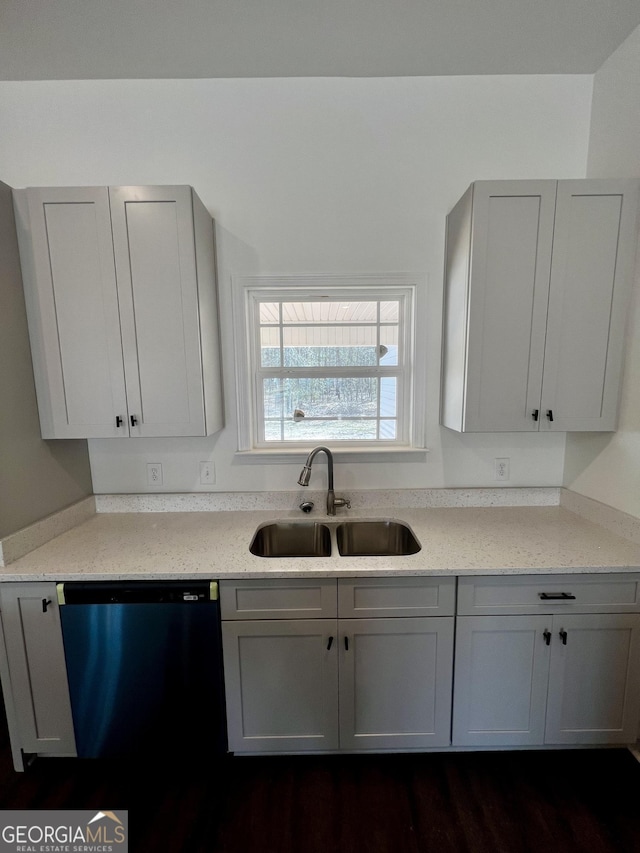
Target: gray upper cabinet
121,299
537,280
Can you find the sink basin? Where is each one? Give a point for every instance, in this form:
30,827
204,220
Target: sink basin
292,539
376,539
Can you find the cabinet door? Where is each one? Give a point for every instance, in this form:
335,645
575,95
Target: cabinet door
38,686
395,682
72,306
591,276
594,682
500,692
153,237
511,240
281,682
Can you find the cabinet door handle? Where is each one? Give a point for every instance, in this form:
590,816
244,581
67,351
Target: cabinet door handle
563,637
346,644
134,420
119,421
550,414
330,643
45,603
556,596
547,637
535,414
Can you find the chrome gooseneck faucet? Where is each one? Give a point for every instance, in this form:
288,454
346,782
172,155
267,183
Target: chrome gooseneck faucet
305,476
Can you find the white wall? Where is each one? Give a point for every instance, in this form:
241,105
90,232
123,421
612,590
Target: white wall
310,176
607,467
37,477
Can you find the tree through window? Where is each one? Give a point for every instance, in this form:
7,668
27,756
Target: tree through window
330,367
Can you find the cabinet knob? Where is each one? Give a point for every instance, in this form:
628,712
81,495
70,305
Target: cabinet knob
346,644
547,637
119,421
134,420
535,414
549,414
563,637
45,603
330,643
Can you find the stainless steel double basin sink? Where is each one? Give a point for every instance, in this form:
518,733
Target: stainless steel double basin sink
355,538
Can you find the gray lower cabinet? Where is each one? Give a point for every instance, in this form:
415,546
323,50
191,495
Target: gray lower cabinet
502,669
559,676
395,683
34,677
363,683
366,664
594,679
281,684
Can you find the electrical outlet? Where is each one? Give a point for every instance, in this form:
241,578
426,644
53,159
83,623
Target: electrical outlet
501,468
154,473
207,473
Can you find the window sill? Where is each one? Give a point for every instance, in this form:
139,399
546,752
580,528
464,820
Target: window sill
352,454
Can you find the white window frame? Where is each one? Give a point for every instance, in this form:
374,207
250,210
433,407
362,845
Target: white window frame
248,291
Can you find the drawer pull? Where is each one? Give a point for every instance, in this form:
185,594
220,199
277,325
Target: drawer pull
563,637
330,643
45,603
547,637
556,596
346,644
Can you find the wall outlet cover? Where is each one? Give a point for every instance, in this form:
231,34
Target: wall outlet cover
154,473
501,468
207,473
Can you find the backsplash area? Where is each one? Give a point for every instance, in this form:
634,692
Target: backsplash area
18,544
614,520
365,499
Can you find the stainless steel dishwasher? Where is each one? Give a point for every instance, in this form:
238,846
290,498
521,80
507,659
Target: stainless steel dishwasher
144,664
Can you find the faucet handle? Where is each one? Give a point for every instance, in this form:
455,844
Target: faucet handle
339,502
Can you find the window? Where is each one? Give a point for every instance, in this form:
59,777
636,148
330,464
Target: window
328,364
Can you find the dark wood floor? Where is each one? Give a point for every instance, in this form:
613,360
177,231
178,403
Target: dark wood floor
569,801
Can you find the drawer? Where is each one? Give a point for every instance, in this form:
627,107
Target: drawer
279,599
405,596
603,593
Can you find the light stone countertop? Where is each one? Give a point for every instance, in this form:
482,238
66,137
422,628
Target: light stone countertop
461,541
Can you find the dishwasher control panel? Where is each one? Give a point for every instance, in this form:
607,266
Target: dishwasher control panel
137,592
